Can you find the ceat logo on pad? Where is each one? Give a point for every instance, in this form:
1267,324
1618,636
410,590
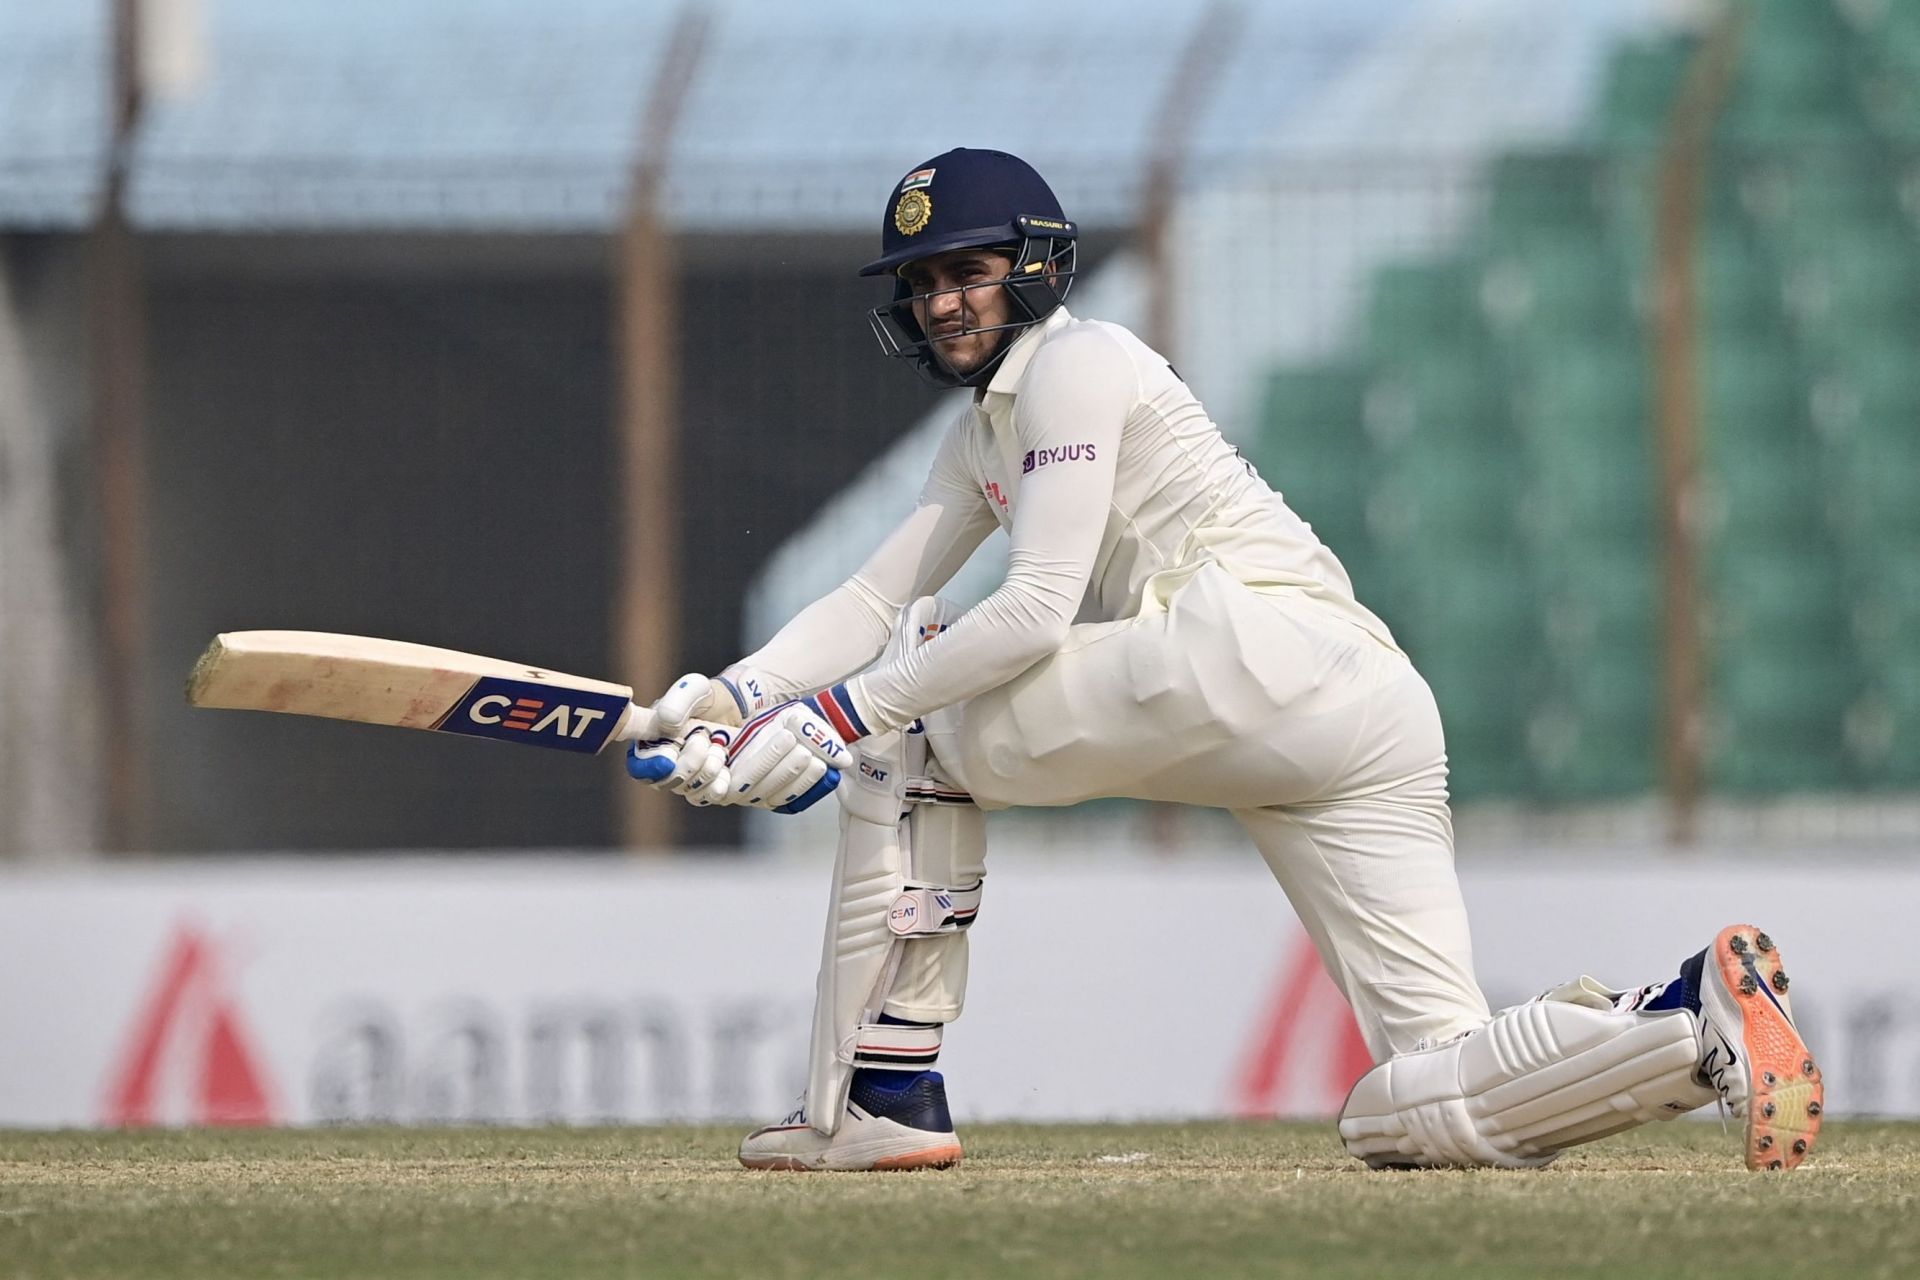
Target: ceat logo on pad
537,714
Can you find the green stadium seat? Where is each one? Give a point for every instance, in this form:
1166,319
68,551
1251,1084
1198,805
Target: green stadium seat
1584,394
1780,719
1888,51
1739,290
1875,491
1486,461
1797,26
1809,195
1484,708
1312,448
1479,662
1795,80
1884,601
1583,414
1751,389
1558,189
1596,733
1761,762
1566,513
1853,280
1866,387
1779,596
1597,596
1584,759
1542,287
1419,304
1317,402
1892,749
1643,78
1444,488
1464,607
1759,488
1436,393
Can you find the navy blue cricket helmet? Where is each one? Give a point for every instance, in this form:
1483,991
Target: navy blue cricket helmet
971,199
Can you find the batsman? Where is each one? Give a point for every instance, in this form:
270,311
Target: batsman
1168,630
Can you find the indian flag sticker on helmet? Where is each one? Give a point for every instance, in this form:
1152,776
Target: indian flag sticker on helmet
917,179
913,212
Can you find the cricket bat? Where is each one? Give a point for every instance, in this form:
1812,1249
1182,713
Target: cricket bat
413,686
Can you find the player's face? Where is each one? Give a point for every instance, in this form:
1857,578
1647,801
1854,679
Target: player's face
954,295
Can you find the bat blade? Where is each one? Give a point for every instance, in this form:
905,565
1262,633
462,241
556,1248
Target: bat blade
412,686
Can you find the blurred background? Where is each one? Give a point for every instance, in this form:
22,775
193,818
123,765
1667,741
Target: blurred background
1587,334
1584,333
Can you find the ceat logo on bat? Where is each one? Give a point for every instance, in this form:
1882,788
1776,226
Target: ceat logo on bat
538,715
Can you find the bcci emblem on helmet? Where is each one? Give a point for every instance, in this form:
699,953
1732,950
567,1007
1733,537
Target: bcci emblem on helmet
988,200
913,213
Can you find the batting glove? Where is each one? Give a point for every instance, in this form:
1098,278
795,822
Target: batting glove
786,759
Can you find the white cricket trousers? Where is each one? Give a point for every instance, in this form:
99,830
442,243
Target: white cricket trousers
1324,743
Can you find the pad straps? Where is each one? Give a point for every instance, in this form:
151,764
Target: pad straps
897,1046
931,908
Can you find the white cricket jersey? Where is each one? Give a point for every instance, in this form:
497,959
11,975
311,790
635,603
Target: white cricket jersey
1113,485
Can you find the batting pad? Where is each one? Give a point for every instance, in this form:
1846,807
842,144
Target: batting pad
1537,1078
906,886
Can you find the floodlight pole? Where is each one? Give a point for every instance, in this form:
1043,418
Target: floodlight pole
1197,71
647,590
1682,178
1207,47
116,322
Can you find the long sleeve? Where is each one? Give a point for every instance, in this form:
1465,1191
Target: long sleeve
1068,418
848,627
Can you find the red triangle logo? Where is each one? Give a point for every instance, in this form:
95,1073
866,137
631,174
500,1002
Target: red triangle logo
189,1029
1307,1051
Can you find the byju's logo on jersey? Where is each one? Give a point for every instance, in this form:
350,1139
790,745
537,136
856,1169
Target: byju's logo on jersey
1037,458
537,714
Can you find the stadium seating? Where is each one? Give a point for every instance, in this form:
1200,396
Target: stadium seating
1483,454
1637,98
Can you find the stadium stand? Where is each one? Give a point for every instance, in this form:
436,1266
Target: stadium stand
1482,454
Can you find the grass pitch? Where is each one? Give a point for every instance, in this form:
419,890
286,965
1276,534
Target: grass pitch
1110,1201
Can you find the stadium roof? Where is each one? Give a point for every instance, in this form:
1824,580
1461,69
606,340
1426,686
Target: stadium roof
517,115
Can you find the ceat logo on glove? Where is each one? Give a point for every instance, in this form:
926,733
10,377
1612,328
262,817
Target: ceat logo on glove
815,732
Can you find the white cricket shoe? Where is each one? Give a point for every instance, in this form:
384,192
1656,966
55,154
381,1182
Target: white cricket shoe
884,1128
1749,1049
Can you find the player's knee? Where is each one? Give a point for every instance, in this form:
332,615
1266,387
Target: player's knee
1538,1078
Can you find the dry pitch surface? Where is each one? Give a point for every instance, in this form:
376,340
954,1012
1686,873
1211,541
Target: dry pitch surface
1109,1201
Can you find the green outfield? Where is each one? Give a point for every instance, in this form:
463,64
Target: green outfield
1109,1201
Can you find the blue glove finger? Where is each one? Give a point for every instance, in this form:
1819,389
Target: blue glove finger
828,781
647,766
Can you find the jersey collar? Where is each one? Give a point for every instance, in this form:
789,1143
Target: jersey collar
1013,369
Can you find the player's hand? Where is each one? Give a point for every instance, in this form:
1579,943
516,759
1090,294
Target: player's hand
786,759
696,697
693,766
683,755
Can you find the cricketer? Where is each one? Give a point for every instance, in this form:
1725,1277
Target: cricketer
1168,630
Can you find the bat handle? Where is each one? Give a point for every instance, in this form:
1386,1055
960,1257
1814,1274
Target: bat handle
639,724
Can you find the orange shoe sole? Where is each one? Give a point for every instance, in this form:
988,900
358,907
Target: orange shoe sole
1785,1096
932,1158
